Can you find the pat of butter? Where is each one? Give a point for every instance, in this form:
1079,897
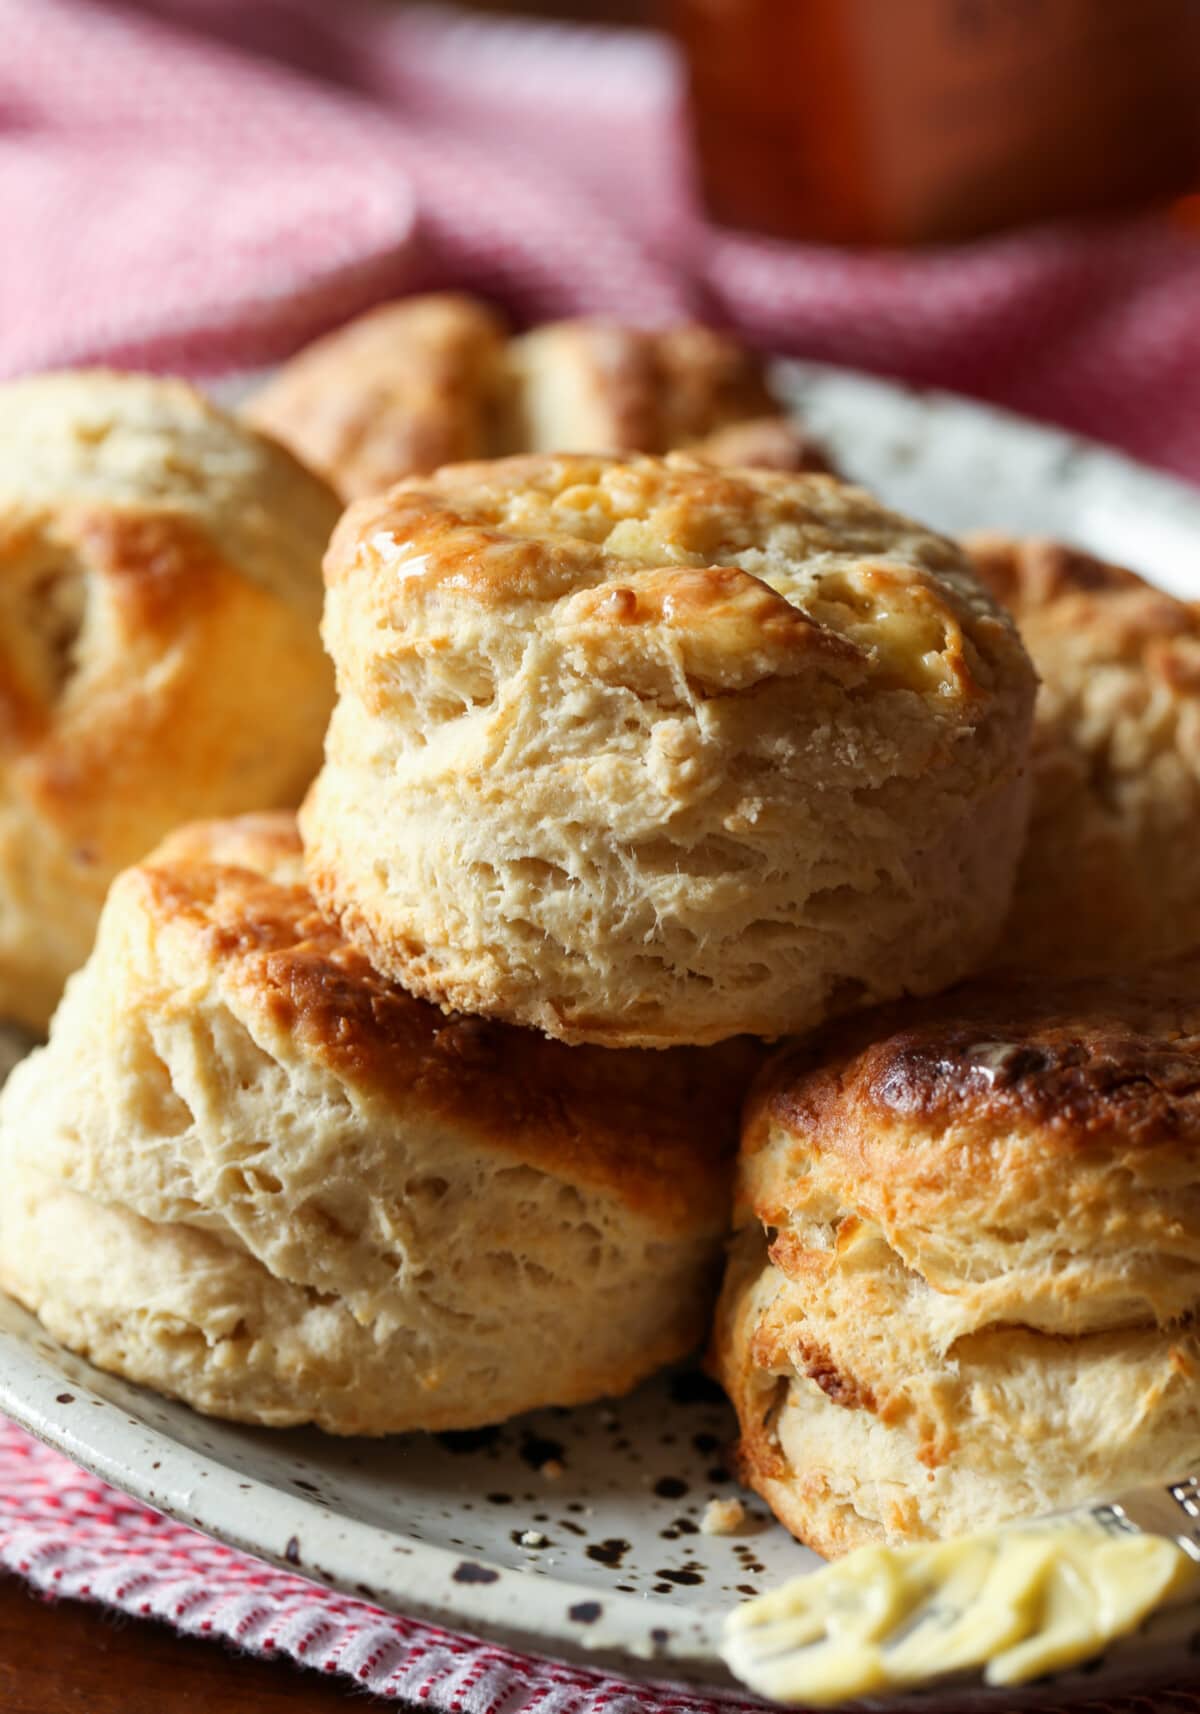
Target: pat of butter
1015,1603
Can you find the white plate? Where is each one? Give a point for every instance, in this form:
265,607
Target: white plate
617,1572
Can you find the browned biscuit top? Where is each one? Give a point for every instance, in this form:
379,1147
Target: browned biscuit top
406,387
659,1130
1079,608
1087,1066
755,561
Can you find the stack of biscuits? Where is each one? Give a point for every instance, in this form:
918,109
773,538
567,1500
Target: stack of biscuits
966,1271
430,1105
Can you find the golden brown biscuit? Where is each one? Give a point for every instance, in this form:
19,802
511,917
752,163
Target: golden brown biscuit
249,1172
768,443
643,753
160,597
1111,873
405,388
433,380
969,1258
601,386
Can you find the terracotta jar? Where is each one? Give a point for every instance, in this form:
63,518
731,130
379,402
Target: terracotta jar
900,121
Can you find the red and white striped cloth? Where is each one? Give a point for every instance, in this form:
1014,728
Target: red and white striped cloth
203,184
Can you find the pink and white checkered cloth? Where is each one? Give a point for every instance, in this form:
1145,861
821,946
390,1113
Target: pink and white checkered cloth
203,184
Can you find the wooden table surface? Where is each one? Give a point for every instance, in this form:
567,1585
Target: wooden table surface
69,1657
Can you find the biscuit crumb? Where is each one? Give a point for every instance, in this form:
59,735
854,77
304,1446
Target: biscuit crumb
722,1517
552,1469
532,1538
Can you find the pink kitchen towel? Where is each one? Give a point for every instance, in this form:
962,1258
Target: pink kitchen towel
203,184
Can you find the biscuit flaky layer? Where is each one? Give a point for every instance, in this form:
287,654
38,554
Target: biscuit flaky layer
641,753
160,658
250,1172
969,1265
1110,875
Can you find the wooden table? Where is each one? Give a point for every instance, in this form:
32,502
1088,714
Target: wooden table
69,1657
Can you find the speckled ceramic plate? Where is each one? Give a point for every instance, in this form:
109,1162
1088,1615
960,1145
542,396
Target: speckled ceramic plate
576,1534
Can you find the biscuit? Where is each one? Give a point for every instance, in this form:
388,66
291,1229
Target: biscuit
770,443
435,380
248,1172
403,389
601,386
644,753
1110,875
160,658
968,1264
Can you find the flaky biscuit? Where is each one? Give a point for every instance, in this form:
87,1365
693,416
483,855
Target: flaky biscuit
435,380
644,753
405,388
160,598
249,1172
603,386
969,1258
1111,872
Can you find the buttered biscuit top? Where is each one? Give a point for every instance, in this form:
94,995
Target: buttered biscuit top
641,752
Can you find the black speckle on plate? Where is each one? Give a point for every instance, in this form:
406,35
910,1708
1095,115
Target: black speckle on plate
585,1612
292,1551
609,1552
670,1488
469,1572
64,1398
687,1579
